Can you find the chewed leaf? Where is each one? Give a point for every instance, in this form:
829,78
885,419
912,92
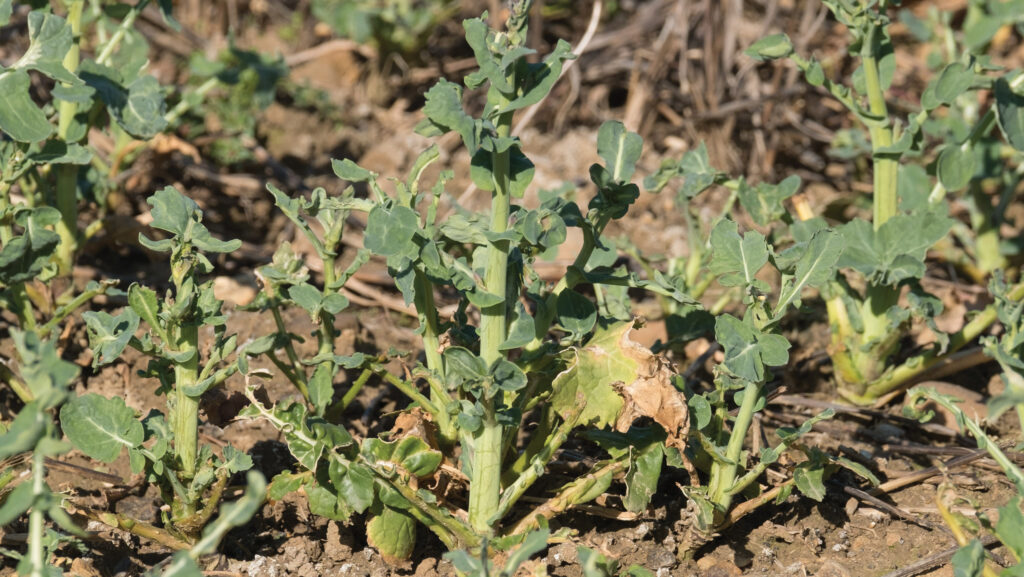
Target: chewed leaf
622,381
109,335
101,427
620,149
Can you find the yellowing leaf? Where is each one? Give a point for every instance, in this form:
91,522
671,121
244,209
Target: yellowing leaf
621,380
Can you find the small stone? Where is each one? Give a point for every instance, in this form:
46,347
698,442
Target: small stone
833,569
658,557
563,554
713,567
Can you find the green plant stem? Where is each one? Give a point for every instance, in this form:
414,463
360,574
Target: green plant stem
723,474
915,365
407,388
36,517
107,53
187,101
427,311
485,480
572,494
144,530
67,174
295,372
987,252
186,408
62,313
539,461
357,386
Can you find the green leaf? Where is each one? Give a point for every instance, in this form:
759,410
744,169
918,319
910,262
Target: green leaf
737,258
144,302
390,231
354,484
350,171
443,108
533,543
969,560
43,371
26,256
507,376
763,202
747,350
576,313
172,210
109,335
1010,113
20,118
25,431
5,12
813,268
642,477
620,149
539,78
59,152
1010,526
810,482
306,296
49,41
101,427
138,108
17,502
321,387
284,483
521,171
896,251
956,166
770,48
393,534
954,80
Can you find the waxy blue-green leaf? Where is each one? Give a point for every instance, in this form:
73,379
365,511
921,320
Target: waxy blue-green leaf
969,560
1010,113
60,152
347,170
443,108
25,431
321,387
539,78
738,259
642,477
20,118
390,231
491,69
46,375
109,335
576,313
1010,526
896,251
393,534
521,171
956,166
24,257
144,302
619,148
50,39
809,481
749,351
813,267
101,427
5,12
521,330
137,107
770,48
411,454
763,201
953,81
354,484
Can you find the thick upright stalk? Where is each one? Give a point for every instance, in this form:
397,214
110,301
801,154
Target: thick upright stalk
186,408
67,174
485,483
